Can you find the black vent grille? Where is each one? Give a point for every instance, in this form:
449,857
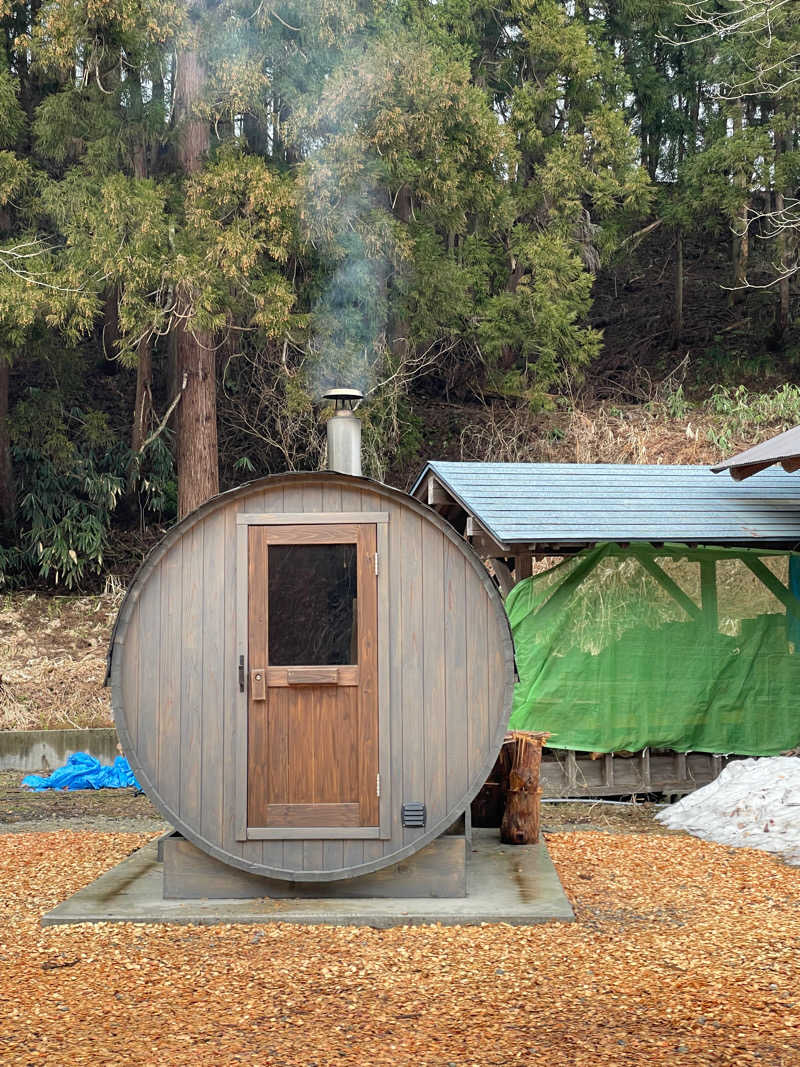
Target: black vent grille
413,813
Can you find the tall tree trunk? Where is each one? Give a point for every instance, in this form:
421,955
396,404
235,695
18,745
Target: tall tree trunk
111,322
143,407
399,327
783,283
7,494
741,239
677,321
139,154
197,453
143,404
782,321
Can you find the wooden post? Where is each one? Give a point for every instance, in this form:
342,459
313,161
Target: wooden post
520,824
523,566
708,584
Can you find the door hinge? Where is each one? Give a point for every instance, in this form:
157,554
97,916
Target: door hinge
377,785
376,562
241,674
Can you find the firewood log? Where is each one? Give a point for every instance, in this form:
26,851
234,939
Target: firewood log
520,825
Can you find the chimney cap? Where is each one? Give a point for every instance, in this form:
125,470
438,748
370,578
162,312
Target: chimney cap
344,398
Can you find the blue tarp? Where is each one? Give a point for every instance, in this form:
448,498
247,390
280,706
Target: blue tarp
82,771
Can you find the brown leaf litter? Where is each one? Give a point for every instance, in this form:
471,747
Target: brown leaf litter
53,660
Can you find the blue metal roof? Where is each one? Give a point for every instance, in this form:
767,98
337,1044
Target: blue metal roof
579,503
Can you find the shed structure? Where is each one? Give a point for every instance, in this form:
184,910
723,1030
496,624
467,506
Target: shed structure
514,509
513,513
783,449
294,677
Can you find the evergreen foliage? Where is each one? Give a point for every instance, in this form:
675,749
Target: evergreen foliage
395,194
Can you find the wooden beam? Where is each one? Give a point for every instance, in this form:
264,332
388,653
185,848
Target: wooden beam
436,493
562,591
486,547
669,585
708,589
775,586
483,542
748,470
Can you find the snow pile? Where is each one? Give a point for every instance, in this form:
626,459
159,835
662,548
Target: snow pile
754,803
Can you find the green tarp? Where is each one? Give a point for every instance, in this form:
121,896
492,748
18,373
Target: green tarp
619,649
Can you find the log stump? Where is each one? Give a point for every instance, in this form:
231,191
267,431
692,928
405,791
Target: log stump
520,825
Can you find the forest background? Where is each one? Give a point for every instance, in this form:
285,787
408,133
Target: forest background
527,229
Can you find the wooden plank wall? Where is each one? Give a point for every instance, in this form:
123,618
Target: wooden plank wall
446,685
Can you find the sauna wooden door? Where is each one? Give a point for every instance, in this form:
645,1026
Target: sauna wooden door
312,685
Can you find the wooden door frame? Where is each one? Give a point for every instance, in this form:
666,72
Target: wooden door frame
383,831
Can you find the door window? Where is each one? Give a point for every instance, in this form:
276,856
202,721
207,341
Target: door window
312,594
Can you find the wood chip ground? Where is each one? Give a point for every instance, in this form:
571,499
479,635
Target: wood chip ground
683,953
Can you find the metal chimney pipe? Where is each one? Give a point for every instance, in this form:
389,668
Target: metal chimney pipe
344,432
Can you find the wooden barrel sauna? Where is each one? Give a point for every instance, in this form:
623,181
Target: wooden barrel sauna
312,676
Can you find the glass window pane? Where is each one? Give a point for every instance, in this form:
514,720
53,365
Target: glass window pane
312,605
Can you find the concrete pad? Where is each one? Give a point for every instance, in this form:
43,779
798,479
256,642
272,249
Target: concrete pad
514,884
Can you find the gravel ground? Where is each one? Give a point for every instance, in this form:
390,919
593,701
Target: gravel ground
104,810
683,953
121,810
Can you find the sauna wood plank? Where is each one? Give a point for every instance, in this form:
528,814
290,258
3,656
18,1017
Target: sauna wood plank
291,502
130,676
412,701
169,737
192,677
271,852
313,833
257,710
300,769
276,763
312,855
295,815
433,621
336,746
332,855
213,645
353,853
150,675
370,502
497,670
330,513
234,704
254,502
293,855
321,534
332,502
456,656
384,692
367,723
394,567
311,499
478,723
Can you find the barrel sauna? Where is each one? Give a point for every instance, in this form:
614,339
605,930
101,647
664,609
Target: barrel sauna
312,676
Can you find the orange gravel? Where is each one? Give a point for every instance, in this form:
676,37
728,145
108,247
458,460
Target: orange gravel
684,953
